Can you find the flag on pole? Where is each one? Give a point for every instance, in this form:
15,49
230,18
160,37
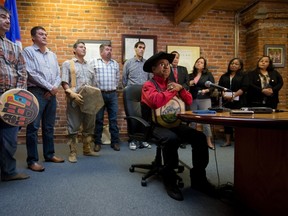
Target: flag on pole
14,32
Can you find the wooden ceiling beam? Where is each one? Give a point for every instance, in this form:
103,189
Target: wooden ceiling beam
190,10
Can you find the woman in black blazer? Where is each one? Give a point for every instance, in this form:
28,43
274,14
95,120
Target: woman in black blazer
264,85
233,80
201,93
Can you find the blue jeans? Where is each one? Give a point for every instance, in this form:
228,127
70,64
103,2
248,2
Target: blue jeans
47,114
111,104
8,146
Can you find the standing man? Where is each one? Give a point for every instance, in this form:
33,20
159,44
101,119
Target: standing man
75,75
107,74
43,81
133,68
133,74
13,75
179,74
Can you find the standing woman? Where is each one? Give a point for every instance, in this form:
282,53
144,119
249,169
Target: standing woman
264,85
201,94
233,79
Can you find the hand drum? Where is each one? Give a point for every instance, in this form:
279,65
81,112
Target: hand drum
19,107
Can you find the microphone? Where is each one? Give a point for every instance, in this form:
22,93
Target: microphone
209,84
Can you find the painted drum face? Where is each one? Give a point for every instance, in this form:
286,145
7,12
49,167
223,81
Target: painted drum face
19,107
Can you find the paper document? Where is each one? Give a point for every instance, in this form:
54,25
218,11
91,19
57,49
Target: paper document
229,94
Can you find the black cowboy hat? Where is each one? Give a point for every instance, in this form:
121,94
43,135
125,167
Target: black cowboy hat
147,67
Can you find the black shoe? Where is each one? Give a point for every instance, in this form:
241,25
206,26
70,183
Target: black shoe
174,192
199,182
116,147
204,186
170,179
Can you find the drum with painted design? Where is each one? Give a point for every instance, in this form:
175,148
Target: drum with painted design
19,107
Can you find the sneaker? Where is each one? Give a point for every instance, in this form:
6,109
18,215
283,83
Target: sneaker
146,145
132,145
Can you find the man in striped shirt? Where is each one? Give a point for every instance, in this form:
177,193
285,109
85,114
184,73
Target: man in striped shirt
107,74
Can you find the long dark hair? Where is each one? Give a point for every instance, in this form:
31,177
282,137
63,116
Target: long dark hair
205,69
270,66
230,62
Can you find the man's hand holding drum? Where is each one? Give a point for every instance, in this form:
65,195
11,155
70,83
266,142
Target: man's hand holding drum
74,96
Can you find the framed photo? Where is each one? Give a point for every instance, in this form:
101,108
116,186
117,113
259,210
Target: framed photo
277,53
188,55
92,48
128,42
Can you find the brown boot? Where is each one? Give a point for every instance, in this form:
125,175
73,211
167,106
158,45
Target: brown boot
87,140
73,149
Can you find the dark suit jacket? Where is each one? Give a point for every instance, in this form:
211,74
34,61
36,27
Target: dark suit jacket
255,97
183,77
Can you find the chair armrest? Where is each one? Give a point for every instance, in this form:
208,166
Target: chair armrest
145,135
141,120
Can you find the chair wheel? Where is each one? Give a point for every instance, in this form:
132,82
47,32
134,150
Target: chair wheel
180,184
131,169
143,183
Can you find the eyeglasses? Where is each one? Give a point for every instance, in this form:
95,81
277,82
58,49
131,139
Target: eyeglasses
164,65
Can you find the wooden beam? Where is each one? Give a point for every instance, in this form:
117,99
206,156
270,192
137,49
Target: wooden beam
183,8
190,10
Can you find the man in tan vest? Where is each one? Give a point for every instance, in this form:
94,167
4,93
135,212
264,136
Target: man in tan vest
75,75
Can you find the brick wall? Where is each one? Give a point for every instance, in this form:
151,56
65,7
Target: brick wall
266,23
67,21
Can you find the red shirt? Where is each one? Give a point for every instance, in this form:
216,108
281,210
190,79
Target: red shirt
155,99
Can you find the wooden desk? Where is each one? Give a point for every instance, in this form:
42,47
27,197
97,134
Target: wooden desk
261,158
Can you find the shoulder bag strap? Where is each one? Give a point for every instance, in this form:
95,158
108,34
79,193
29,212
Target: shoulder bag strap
73,75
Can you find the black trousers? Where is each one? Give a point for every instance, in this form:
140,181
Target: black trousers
170,139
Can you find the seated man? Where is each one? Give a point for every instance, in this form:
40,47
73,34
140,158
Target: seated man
159,65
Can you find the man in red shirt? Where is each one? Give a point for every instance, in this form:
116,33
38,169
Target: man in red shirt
156,94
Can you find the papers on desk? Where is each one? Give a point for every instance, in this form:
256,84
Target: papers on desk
241,112
230,94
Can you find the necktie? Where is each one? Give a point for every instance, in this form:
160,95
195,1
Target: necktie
175,74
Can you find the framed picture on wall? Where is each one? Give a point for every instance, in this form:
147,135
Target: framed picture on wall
128,42
188,55
277,53
92,48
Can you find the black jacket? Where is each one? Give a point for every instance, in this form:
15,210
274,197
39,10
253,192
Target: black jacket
255,97
207,76
237,83
183,77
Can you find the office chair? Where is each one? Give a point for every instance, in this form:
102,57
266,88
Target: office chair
140,130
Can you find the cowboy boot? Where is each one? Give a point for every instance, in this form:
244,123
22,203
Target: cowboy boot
73,149
87,140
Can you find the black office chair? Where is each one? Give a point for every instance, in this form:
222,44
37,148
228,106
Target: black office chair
140,130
